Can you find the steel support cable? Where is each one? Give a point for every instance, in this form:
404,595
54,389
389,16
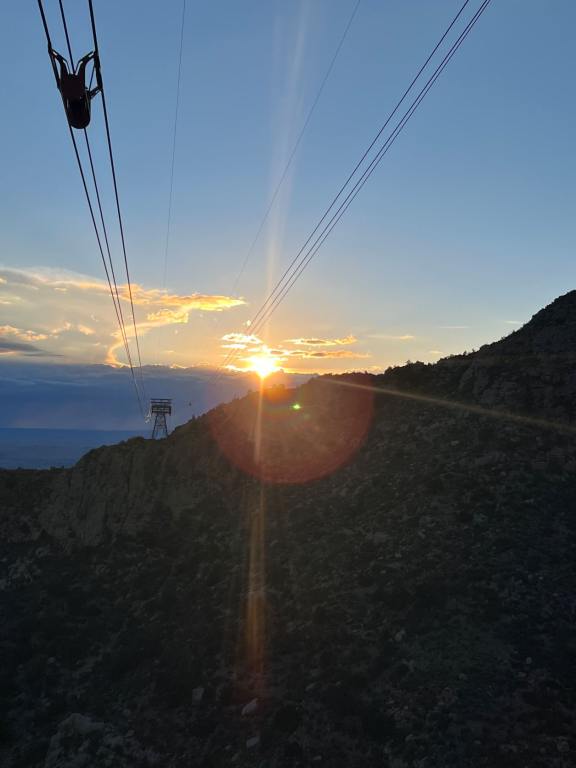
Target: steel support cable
100,248
113,168
174,144
369,170
91,209
298,264
127,346
119,312
48,40
117,307
92,216
295,147
105,232
96,189
65,25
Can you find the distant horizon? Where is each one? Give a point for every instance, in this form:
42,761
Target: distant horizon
70,429
86,396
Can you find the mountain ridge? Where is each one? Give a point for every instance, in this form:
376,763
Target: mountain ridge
530,371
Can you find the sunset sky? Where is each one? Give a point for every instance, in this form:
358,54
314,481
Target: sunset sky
464,231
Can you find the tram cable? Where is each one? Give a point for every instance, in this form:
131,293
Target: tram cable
108,270
115,183
97,191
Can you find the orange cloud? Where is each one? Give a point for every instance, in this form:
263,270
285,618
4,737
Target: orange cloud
21,335
331,354
247,345
71,301
241,341
187,303
66,327
242,337
168,316
315,342
85,330
63,281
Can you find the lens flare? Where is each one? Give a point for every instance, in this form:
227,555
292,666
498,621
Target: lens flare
288,436
263,365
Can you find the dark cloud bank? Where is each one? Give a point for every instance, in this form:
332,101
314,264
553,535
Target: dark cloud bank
98,397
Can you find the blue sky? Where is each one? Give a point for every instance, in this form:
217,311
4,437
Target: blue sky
465,229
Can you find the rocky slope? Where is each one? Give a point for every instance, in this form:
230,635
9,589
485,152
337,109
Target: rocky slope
325,576
532,371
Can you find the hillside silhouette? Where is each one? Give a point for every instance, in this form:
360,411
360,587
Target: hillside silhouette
364,570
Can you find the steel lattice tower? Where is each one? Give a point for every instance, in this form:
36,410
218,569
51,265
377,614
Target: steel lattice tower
160,408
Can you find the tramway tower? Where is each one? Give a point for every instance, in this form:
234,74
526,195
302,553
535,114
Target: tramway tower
160,408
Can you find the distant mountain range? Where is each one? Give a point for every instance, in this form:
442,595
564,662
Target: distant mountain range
360,571
100,397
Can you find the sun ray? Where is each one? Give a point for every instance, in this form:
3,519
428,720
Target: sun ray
460,406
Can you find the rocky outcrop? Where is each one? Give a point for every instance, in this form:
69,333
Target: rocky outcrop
532,371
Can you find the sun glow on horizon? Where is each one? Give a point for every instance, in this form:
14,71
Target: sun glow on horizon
263,365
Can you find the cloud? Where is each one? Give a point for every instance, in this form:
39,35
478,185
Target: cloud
187,303
18,333
74,306
66,281
85,330
19,338
242,341
63,328
68,327
17,277
168,316
8,347
247,346
323,342
40,277
513,322
332,354
243,338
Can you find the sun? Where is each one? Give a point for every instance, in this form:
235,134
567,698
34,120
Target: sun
262,365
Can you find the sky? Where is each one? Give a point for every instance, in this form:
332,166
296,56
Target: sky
464,231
